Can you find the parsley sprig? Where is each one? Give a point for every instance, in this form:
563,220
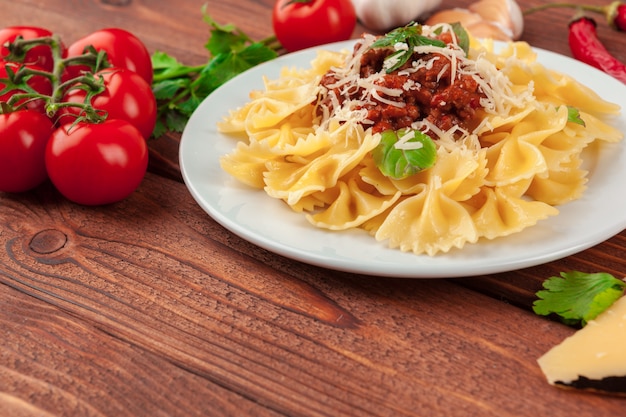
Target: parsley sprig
578,297
179,88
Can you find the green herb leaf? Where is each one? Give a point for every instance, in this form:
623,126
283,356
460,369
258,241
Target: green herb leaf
462,37
411,35
224,38
402,163
189,106
578,297
167,89
398,35
161,60
573,116
227,65
175,121
159,129
166,67
179,88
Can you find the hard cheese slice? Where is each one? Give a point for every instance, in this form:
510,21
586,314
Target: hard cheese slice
594,357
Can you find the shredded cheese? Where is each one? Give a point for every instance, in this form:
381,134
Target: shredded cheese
404,144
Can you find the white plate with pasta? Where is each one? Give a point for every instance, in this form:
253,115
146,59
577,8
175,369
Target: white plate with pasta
250,213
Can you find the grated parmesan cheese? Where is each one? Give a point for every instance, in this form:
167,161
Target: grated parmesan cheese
404,144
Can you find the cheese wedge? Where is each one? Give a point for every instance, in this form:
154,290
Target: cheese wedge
594,357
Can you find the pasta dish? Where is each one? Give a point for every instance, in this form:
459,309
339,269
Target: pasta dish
425,138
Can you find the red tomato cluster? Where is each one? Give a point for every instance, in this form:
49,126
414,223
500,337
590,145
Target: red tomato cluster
47,95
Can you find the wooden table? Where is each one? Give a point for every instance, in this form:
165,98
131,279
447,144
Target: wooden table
150,308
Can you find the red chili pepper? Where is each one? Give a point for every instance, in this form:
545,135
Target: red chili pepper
587,47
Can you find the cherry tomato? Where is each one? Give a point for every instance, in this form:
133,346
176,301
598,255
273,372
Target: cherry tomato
95,164
39,83
127,96
40,55
300,24
23,138
123,49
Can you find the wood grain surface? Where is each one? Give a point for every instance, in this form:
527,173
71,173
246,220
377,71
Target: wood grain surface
150,308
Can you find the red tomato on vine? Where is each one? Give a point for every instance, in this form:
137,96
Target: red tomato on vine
300,24
97,163
126,96
23,138
124,50
40,55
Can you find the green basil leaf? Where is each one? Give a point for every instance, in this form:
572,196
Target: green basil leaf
573,116
462,37
411,35
402,163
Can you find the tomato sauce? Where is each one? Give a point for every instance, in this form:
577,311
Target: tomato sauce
431,96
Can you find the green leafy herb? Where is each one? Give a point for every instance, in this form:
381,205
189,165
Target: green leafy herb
411,35
462,37
573,116
578,297
399,163
179,88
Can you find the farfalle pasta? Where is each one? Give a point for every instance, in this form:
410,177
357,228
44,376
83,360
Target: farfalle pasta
508,149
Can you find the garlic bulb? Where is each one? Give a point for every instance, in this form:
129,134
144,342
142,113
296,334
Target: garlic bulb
505,14
496,19
382,15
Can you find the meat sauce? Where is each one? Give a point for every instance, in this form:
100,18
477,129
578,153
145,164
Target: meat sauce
432,97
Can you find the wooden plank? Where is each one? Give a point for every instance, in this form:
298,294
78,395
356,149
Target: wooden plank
302,341
148,307
53,364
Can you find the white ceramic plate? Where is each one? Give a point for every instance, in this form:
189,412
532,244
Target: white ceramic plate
270,224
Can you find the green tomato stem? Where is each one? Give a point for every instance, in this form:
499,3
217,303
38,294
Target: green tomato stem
54,103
